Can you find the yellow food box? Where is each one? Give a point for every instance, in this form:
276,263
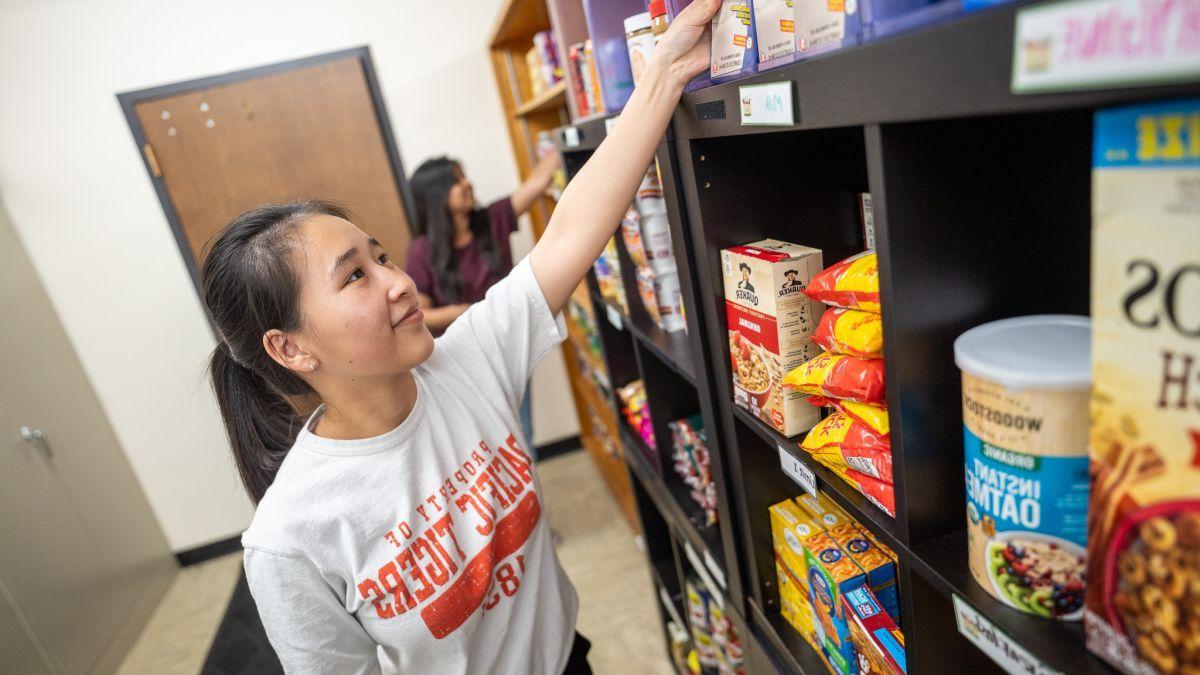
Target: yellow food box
790,526
795,607
824,510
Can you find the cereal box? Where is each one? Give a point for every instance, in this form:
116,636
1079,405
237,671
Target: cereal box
878,642
1143,594
770,322
831,574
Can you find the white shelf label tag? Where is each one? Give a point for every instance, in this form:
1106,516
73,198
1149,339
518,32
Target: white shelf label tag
1094,44
1012,657
610,123
800,473
767,104
715,570
694,559
571,137
614,316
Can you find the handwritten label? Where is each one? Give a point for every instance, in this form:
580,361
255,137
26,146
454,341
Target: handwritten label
767,105
715,570
571,137
614,316
1090,44
800,473
1013,658
701,572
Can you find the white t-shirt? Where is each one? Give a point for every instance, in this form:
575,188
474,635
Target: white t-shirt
423,550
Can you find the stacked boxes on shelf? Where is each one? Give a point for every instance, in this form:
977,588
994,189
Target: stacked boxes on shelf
822,556
542,63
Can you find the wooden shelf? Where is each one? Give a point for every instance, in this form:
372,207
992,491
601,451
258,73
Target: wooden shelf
550,99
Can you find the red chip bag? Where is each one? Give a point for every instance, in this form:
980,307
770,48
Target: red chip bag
841,440
850,331
839,376
880,494
871,414
852,283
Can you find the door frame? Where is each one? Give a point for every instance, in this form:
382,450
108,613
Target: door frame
129,99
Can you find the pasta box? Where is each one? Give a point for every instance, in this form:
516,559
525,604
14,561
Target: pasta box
770,322
832,574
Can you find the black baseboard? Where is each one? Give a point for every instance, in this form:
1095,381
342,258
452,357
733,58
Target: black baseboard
209,551
559,447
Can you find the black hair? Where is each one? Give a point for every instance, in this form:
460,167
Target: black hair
431,184
250,287
743,266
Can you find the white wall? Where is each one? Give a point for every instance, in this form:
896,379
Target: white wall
86,211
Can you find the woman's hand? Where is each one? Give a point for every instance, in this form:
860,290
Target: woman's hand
684,51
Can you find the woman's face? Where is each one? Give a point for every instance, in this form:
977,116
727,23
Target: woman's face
361,315
461,199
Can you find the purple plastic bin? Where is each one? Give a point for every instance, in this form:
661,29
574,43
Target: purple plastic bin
887,17
606,25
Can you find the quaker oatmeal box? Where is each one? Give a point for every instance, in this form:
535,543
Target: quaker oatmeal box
771,322
1143,597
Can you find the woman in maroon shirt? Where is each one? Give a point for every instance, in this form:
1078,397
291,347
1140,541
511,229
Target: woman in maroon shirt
462,249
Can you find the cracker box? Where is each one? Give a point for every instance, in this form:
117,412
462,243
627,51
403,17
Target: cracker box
1142,605
770,322
824,510
832,574
775,25
878,642
795,606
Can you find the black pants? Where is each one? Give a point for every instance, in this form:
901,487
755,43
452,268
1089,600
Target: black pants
577,663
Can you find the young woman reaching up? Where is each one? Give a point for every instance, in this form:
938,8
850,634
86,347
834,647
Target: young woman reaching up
399,527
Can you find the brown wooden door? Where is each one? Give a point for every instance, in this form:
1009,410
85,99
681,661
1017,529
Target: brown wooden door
310,131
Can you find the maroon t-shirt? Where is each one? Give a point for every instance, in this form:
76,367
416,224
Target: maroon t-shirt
475,277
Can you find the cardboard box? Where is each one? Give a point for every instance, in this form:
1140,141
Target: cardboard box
775,26
879,568
795,606
733,41
832,574
878,642
1145,433
824,510
790,527
770,321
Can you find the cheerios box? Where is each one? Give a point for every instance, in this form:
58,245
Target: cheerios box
770,322
1144,509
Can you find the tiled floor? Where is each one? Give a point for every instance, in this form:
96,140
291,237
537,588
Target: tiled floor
616,596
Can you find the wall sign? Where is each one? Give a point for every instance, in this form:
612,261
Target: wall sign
1089,44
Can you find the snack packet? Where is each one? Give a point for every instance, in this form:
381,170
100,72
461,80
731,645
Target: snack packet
839,376
839,439
852,332
880,493
870,414
852,283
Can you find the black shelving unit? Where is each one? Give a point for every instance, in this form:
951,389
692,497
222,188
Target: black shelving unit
982,210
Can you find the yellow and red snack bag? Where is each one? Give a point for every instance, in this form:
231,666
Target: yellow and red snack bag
881,494
839,376
870,414
843,441
852,283
852,332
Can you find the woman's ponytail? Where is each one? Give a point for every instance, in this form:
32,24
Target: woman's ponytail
260,423
249,288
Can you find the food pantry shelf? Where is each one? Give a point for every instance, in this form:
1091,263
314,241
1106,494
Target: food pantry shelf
706,541
943,562
869,515
552,98
959,69
673,349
